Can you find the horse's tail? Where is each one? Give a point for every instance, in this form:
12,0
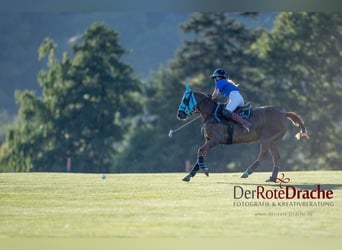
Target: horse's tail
298,122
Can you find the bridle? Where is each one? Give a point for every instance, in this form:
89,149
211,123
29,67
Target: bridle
189,103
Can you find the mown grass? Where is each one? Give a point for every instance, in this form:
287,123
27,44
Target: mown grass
158,205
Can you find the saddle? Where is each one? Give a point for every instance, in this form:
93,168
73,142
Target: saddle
243,111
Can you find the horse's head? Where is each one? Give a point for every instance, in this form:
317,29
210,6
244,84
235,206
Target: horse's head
187,105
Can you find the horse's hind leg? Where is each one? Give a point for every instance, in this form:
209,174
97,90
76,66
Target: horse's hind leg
276,161
250,169
261,157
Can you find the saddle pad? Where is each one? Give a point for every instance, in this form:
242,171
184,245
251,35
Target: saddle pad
244,112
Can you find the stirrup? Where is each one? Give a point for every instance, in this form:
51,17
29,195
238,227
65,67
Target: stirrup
246,128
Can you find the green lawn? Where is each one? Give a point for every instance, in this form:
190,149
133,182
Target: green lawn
159,205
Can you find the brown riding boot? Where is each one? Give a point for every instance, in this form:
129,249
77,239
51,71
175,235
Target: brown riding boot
235,117
244,123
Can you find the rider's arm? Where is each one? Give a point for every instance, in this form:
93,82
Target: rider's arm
215,94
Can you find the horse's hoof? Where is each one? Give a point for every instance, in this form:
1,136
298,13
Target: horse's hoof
206,171
187,178
244,175
270,179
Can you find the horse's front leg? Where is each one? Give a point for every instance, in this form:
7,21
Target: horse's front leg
201,154
192,172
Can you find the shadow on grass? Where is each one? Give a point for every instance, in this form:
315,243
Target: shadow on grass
299,186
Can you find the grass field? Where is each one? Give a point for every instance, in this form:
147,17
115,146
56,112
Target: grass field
159,205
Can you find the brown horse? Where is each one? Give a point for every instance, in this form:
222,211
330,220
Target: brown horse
269,127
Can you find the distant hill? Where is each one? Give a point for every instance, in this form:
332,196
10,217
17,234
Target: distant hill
152,39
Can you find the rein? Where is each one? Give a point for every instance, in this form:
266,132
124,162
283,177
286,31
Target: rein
204,99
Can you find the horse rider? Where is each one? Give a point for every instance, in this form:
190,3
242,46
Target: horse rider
230,90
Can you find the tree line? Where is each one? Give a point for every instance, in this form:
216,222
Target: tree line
96,115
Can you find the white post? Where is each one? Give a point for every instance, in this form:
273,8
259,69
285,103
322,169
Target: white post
68,165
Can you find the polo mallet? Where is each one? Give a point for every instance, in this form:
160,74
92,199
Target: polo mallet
183,126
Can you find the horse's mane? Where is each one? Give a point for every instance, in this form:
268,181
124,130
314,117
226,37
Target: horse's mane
206,97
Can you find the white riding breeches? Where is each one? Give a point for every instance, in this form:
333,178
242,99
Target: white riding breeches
235,100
